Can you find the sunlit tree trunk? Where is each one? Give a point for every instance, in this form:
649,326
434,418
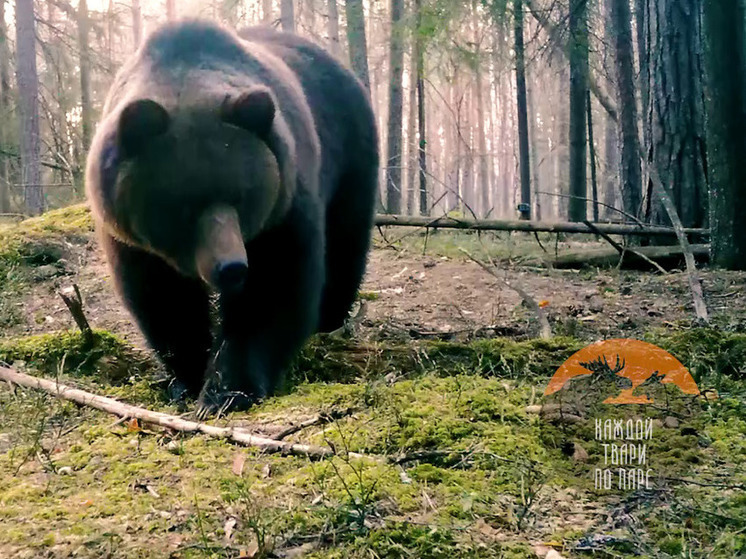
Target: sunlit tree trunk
356,40
5,99
332,27
86,111
136,23
170,10
394,142
287,16
267,12
28,103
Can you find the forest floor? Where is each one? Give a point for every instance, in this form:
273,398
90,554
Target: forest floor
442,374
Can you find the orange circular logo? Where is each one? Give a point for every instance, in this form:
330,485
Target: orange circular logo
634,367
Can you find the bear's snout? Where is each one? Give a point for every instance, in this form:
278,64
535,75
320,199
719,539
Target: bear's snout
221,255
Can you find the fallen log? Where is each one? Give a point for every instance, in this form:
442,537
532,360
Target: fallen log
665,256
385,220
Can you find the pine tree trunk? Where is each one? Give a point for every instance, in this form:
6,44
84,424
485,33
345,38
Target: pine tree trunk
86,111
394,143
726,73
356,40
412,144
267,12
332,27
578,87
136,23
631,172
677,105
170,10
533,151
611,170
287,16
592,155
520,82
28,103
5,99
421,112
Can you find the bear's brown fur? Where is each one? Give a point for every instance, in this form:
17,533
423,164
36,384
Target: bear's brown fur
243,165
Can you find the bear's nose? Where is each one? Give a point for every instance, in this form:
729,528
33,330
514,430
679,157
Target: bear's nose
231,276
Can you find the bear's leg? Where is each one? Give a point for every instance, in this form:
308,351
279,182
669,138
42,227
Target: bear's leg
173,312
349,221
265,325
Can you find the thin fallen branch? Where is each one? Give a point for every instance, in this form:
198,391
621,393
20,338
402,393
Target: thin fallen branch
175,423
529,226
623,250
545,331
320,419
695,285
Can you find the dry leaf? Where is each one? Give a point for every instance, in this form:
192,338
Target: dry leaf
238,462
133,425
228,528
543,304
266,471
87,503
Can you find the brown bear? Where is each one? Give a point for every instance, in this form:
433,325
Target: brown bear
239,165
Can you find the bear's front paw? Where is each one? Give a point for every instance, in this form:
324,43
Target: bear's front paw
217,403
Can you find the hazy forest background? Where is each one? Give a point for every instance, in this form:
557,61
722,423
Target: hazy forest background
547,109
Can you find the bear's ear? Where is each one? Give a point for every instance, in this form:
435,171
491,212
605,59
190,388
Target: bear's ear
140,121
253,110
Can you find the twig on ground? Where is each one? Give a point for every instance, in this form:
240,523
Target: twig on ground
320,419
623,249
121,409
545,328
695,284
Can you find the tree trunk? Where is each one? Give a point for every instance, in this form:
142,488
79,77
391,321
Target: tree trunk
482,176
677,105
28,103
394,144
520,83
726,72
86,111
533,150
267,12
412,143
611,169
624,64
287,16
562,161
5,103
420,73
592,154
332,27
356,40
170,10
578,87
136,23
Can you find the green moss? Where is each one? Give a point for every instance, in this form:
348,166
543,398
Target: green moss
104,355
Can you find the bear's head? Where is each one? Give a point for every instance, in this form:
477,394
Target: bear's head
192,184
